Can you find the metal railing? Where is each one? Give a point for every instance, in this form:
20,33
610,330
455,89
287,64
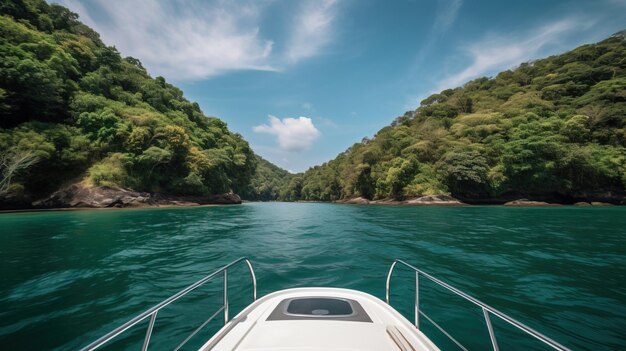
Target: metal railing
152,312
487,311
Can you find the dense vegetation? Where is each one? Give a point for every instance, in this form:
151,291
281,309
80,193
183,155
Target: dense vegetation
266,182
72,109
553,126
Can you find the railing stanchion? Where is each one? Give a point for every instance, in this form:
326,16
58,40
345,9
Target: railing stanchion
387,285
253,279
487,310
417,300
492,334
146,341
225,296
152,312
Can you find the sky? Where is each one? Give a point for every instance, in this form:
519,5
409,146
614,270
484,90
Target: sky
304,80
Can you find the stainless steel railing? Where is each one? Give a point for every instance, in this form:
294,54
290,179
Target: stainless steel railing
152,312
487,311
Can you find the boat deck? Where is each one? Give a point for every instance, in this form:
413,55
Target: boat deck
319,319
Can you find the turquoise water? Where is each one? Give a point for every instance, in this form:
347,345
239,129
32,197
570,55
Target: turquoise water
69,277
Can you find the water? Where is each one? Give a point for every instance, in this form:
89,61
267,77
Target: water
69,277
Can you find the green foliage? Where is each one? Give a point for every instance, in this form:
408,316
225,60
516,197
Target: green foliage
555,125
464,171
111,171
267,182
84,111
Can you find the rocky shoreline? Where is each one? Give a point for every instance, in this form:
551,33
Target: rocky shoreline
83,196
511,201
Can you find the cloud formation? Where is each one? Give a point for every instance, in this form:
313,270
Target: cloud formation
312,29
292,134
192,40
502,52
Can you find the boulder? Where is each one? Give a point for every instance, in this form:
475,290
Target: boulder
81,195
225,199
386,201
526,202
434,200
357,201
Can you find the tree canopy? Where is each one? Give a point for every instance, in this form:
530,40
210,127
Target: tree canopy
83,111
73,109
551,126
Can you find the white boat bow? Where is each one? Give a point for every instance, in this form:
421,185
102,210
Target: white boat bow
329,319
319,319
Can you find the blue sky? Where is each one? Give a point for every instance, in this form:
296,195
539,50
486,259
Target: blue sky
304,80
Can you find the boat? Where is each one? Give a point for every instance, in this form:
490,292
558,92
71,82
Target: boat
321,318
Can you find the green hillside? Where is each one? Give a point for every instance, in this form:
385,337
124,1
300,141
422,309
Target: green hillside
551,127
267,181
73,109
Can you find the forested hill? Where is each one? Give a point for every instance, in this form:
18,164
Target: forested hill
553,127
74,110
267,181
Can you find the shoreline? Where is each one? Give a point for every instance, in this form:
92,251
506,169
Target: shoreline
509,201
79,209
339,202
81,197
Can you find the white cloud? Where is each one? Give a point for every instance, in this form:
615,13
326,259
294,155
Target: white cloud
198,39
293,134
502,52
312,30
187,41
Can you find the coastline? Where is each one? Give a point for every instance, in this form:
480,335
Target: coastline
509,201
338,202
80,209
80,197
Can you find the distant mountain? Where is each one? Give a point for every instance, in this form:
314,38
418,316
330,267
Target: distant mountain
552,128
266,182
72,110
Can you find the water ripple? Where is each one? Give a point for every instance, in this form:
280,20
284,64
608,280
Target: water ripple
69,277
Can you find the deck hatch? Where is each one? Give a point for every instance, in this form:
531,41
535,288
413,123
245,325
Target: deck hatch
318,307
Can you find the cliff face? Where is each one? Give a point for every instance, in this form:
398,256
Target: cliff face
549,130
73,110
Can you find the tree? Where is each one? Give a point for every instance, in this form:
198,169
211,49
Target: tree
464,171
12,162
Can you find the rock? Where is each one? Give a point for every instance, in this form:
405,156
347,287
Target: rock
526,202
582,203
357,201
597,203
434,200
82,195
385,201
225,199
